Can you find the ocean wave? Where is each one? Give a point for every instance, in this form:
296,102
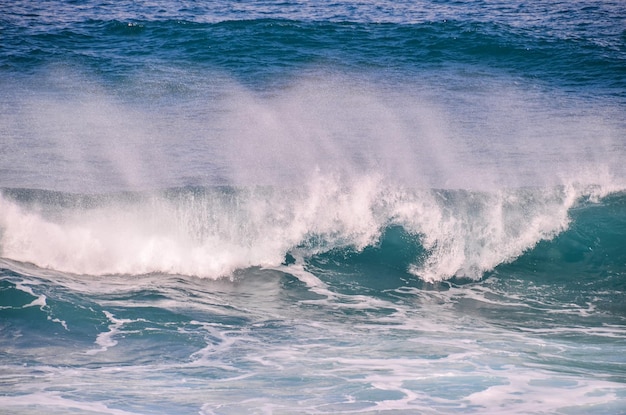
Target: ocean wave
211,232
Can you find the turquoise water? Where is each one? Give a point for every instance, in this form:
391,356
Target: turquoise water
292,207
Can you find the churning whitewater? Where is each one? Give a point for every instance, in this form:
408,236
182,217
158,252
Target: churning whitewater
212,232
289,208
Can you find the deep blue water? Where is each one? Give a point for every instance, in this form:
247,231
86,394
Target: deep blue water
292,207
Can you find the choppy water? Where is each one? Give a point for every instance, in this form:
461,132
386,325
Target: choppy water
351,207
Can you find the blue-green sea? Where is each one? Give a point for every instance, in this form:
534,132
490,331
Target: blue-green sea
294,207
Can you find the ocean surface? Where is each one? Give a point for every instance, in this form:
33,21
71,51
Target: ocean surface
293,207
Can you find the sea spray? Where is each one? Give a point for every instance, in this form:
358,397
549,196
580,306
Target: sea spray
228,134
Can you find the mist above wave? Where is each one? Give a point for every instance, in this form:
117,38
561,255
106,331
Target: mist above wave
74,133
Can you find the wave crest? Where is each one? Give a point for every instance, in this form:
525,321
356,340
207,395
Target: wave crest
213,231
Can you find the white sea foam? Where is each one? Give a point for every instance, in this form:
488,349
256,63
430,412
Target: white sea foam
54,402
39,301
213,233
106,339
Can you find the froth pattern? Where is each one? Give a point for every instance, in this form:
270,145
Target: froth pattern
211,232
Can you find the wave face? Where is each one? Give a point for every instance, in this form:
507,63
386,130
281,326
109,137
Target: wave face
296,207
